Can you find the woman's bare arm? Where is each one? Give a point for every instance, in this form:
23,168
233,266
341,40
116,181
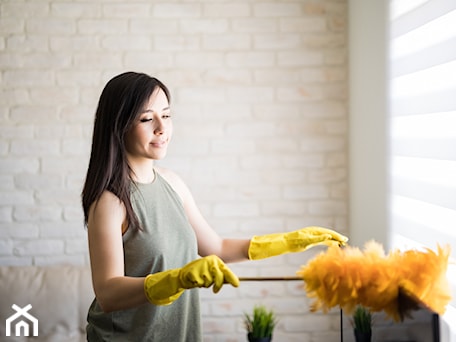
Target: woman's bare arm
114,291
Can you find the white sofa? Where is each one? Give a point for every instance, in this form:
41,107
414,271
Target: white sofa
59,297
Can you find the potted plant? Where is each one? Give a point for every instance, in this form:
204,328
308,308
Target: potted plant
260,325
362,324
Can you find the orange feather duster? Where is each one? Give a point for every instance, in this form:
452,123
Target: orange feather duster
396,283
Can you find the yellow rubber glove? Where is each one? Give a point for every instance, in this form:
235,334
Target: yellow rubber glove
275,244
165,287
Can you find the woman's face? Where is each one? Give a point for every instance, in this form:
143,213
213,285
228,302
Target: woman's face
151,133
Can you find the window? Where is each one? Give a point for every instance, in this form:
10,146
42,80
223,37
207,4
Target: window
422,130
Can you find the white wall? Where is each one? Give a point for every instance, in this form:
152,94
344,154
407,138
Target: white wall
368,121
260,100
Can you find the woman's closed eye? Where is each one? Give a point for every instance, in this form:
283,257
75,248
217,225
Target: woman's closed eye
148,119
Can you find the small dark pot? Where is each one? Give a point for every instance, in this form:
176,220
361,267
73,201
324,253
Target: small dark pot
361,336
258,339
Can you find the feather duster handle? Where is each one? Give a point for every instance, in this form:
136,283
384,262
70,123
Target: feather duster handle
396,283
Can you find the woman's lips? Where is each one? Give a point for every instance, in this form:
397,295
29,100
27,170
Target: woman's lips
160,143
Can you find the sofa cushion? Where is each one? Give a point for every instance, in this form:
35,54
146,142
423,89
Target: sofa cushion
59,295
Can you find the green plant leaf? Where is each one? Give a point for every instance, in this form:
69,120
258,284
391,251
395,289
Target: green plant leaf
362,319
261,323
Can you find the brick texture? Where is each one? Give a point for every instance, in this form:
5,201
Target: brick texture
260,111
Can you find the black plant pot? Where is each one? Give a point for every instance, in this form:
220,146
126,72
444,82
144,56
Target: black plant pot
258,339
361,336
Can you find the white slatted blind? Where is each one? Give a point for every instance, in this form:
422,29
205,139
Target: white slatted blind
423,127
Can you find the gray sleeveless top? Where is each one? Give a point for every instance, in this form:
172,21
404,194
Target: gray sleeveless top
166,241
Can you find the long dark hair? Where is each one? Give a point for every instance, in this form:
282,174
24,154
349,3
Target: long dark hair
121,102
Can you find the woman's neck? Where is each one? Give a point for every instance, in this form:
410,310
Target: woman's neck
142,172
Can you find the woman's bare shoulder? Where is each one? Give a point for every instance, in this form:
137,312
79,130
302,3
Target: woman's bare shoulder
109,198
107,204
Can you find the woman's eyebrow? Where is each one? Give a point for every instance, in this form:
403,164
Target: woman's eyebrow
149,110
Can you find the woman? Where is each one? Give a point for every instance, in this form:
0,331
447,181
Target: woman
149,245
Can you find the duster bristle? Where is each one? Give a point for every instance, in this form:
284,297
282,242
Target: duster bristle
396,283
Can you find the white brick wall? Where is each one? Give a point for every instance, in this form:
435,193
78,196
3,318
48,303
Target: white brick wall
259,95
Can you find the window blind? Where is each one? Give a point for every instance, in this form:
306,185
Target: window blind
422,128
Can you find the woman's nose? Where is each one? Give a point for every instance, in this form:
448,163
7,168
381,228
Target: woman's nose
159,128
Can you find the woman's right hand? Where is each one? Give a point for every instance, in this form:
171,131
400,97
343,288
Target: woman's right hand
165,287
